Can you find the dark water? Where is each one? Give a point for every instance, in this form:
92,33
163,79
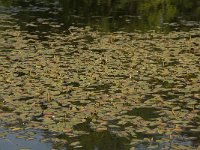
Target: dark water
113,15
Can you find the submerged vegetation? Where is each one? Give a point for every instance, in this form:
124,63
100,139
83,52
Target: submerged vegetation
140,87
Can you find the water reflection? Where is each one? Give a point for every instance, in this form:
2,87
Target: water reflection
23,139
39,139
112,15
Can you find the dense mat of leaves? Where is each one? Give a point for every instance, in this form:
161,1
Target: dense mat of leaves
133,85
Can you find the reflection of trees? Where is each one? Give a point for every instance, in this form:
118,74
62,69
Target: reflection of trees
107,13
153,12
167,10
157,11
6,3
191,7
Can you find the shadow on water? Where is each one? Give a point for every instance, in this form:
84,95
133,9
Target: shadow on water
95,141
145,113
102,141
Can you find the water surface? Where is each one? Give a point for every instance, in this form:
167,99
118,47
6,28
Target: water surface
112,15
137,86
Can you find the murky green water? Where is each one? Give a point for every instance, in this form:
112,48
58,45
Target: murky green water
99,75
128,15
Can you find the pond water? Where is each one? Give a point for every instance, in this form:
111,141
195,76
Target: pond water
30,139
22,139
99,75
115,15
